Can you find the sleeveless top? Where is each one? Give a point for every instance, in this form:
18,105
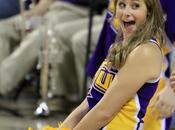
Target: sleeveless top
130,117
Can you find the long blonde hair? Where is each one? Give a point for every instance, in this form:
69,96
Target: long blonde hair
153,27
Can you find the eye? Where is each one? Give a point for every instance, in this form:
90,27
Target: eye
121,5
135,6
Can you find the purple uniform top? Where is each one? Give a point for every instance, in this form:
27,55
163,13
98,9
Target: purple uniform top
108,35
130,117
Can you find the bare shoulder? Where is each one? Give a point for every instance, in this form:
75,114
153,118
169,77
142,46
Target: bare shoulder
148,56
148,51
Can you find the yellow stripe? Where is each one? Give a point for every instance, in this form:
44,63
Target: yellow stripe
150,120
126,119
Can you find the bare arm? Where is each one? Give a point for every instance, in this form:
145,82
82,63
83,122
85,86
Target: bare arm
143,64
72,120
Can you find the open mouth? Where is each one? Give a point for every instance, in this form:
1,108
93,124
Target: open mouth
129,25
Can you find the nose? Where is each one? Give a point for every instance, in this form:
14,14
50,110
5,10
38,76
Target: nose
127,12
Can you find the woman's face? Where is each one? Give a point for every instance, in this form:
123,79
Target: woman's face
131,14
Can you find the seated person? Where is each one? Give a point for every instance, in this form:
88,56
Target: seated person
18,54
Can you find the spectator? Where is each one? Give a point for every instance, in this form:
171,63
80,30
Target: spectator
18,56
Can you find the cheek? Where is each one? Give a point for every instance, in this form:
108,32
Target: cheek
141,18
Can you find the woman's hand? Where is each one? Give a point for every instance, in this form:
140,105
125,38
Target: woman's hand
165,103
172,80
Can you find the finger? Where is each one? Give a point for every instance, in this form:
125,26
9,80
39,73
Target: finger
173,73
169,111
172,110
160,116
172,84
173,89
163,111
172,78
166,111
156,105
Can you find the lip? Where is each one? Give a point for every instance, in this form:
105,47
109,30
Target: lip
129,26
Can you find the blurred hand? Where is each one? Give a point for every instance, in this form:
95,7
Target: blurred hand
172,77
172,80
165,103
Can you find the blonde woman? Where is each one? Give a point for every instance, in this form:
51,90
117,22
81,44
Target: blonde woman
125,82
